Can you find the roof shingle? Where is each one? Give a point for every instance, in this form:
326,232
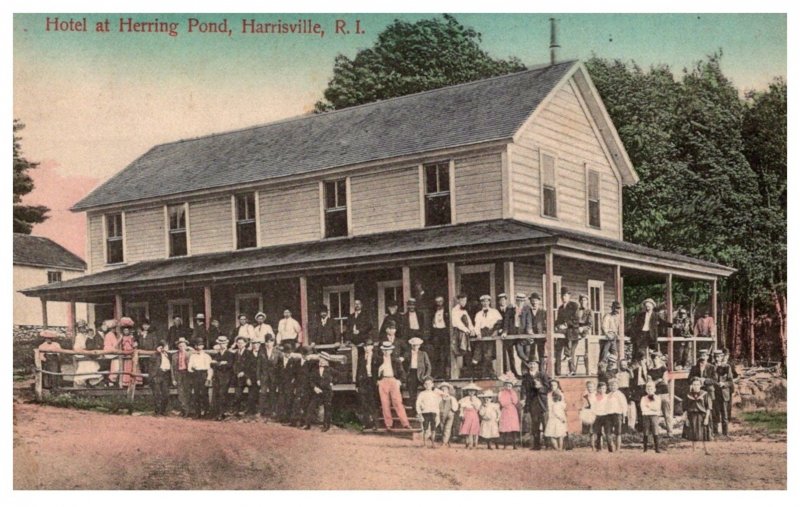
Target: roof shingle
44,252
469,113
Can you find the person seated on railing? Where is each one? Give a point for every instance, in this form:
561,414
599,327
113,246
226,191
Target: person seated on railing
610,330
507,311
705,326
50,362
567,323
682,327
488,323
644,329
539,327
517,320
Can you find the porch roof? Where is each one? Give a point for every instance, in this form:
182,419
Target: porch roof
503,237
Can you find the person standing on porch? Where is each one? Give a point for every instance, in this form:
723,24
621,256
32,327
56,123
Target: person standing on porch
147,339
244,329
85,365
366,383
463,330
567,323
289,330
160,370
325,330
488,322
507,312
424,306
585,317
50,362
419,366
440,338
389,374
682,327
201,374
221,380
539,327
359,325
610,330
200,332
645,327
413,322
177,330
392,316
517,320
261,330
180,375
535,386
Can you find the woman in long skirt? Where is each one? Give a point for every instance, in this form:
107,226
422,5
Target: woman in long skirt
127,343
490,418
111,345
698,414
509,414
470,422
84,365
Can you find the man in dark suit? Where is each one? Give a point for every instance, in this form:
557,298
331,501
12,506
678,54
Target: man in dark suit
539,326
324,330
394,316
268,374
320,384
567,323
177,330
160,370
440,337
302,387
221,381
723,387
251,375
517,320
359,325
239,374
412,322
535,386
289,364
418,365
366,383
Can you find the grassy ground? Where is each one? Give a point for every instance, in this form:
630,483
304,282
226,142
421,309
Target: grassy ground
772,421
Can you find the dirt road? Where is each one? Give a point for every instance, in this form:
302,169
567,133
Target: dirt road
71,449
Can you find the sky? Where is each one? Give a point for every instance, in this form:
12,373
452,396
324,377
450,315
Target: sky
92,101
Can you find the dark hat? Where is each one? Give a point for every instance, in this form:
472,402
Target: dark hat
535,295
144,321
392,302
564,290
615,304
461,295
323,308
286,346
242,315
391,324
163,343
368,341
199,342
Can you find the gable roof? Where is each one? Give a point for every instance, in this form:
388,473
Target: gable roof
466,114
43,252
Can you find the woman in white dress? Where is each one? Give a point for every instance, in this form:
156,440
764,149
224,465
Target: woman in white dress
84,365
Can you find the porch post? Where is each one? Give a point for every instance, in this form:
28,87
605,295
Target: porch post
455,367
117,311
670,348
44,311
304,309
550,298
71,319
620,295
715,329
508,288
406,285
207,305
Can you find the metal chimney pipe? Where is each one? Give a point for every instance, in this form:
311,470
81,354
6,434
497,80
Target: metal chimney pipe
553,41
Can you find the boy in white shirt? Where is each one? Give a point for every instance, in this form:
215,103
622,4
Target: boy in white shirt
200,373
428,411
616,408
448,408
651,410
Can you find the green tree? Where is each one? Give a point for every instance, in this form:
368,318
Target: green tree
409,58
25,216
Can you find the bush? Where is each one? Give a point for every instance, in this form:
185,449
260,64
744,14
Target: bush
108,404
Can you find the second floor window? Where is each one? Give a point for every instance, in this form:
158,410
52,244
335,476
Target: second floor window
53,276
114,251
335,208
437,194
246,221
549,193
177,230
593,196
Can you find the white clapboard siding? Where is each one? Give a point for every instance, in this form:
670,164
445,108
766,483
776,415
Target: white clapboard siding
564,130
144,234
479,188
289,215
386,201
210,226
575,275
96,245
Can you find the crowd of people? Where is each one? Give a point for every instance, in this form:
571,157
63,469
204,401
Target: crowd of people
286,377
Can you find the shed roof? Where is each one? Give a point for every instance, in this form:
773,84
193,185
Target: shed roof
460,115
377,249
44,252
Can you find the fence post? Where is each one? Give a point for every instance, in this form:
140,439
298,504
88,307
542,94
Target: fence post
37,361
132,379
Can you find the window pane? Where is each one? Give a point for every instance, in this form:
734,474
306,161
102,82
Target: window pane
114,225
430,179
330,194
245,207
594,213
437,210
246,234
114,251
444,177
594,185
177,243
335,223
548,171
550,202
345,302
341,193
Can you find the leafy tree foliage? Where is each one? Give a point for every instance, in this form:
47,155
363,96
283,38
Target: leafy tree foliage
25,216
409,58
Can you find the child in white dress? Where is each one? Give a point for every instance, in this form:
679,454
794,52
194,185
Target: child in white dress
556,428
490,419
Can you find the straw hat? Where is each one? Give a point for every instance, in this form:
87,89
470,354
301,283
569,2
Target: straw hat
415,341
487,394
472,386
